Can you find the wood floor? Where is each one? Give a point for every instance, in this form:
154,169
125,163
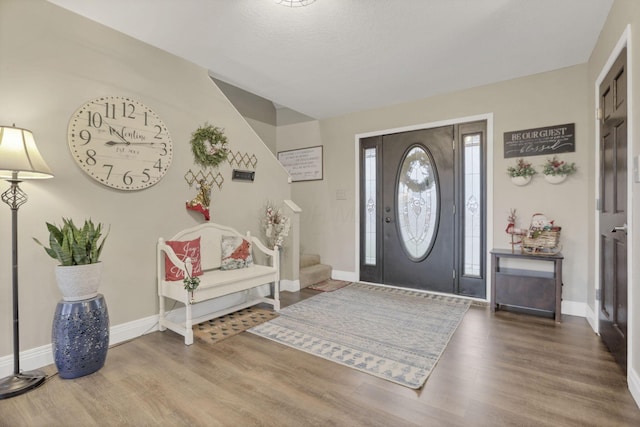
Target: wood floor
502,369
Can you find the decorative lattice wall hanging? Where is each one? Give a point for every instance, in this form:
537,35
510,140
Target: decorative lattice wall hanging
242,159
210,178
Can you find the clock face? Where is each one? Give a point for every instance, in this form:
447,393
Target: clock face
120,142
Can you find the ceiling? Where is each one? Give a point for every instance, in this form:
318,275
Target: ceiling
333,57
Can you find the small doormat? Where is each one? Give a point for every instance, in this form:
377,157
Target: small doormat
329,285
220,328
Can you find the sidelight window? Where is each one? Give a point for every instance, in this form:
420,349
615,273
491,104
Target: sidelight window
370,206
472,210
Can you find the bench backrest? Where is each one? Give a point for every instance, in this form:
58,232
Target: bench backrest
210,235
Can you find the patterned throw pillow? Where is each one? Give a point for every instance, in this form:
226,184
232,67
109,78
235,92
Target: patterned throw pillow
236,253
189,248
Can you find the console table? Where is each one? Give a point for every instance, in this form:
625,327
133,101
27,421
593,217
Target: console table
80,336
524,288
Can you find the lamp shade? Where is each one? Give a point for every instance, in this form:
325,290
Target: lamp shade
19,155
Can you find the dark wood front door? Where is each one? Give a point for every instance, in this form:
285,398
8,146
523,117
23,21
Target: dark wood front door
422,209
418,203
613,211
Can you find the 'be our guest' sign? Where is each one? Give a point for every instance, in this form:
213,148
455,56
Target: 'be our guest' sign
534,142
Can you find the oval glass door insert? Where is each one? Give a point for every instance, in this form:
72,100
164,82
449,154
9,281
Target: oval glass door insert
417,198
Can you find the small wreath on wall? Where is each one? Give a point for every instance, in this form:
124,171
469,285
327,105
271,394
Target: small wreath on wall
417,171
209,146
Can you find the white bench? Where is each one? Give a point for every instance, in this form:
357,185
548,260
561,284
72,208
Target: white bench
214,282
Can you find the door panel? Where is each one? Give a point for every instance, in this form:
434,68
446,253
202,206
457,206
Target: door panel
418,196
613,211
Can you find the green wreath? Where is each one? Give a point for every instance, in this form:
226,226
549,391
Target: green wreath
213,153
417,159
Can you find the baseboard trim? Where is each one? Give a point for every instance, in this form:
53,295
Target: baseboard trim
591,318
42,356
633,381
574,308
348,276
131,330
31,359
290,285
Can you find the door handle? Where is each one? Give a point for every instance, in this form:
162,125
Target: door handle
623,228
387,220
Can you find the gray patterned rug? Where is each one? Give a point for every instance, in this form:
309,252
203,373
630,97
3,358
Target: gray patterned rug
391,333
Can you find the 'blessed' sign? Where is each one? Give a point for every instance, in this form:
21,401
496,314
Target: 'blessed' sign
546,140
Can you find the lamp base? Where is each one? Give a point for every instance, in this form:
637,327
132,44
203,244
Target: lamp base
18,384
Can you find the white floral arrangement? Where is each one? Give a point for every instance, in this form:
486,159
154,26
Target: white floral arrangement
275,226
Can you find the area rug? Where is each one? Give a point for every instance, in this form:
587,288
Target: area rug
329,285
220,328
391,333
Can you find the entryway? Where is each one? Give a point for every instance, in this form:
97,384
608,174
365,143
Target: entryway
423,209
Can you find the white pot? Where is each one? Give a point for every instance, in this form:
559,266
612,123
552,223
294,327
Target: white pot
79,282
520,180
555,179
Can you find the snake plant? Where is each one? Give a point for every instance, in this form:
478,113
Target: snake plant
71,245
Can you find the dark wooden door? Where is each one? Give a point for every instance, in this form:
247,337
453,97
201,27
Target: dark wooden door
613,211
418,209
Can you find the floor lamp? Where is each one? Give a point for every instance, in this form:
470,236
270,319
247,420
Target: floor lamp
19,160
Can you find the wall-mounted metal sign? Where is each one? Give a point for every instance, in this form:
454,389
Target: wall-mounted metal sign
240,175
538,141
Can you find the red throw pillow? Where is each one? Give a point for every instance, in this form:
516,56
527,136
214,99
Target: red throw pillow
189,248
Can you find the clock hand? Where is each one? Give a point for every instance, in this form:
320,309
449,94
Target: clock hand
133,143
113,130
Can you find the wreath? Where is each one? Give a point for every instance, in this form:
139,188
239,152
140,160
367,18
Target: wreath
417,160
209,146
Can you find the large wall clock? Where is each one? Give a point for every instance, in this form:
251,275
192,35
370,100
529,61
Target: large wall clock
120,142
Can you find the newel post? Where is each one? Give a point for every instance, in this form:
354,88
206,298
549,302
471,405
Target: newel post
290,260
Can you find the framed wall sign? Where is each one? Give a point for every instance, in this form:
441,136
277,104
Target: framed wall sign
304,164
539,141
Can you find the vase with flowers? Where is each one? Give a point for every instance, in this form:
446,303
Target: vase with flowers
521,173
556,171
275,226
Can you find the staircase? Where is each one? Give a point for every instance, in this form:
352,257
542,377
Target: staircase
312,271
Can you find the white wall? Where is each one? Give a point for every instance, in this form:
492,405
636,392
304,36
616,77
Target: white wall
53,61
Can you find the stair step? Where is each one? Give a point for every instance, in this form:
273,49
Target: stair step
314,274
307,260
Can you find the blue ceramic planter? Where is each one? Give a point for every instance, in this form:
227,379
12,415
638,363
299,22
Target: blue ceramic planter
80,336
